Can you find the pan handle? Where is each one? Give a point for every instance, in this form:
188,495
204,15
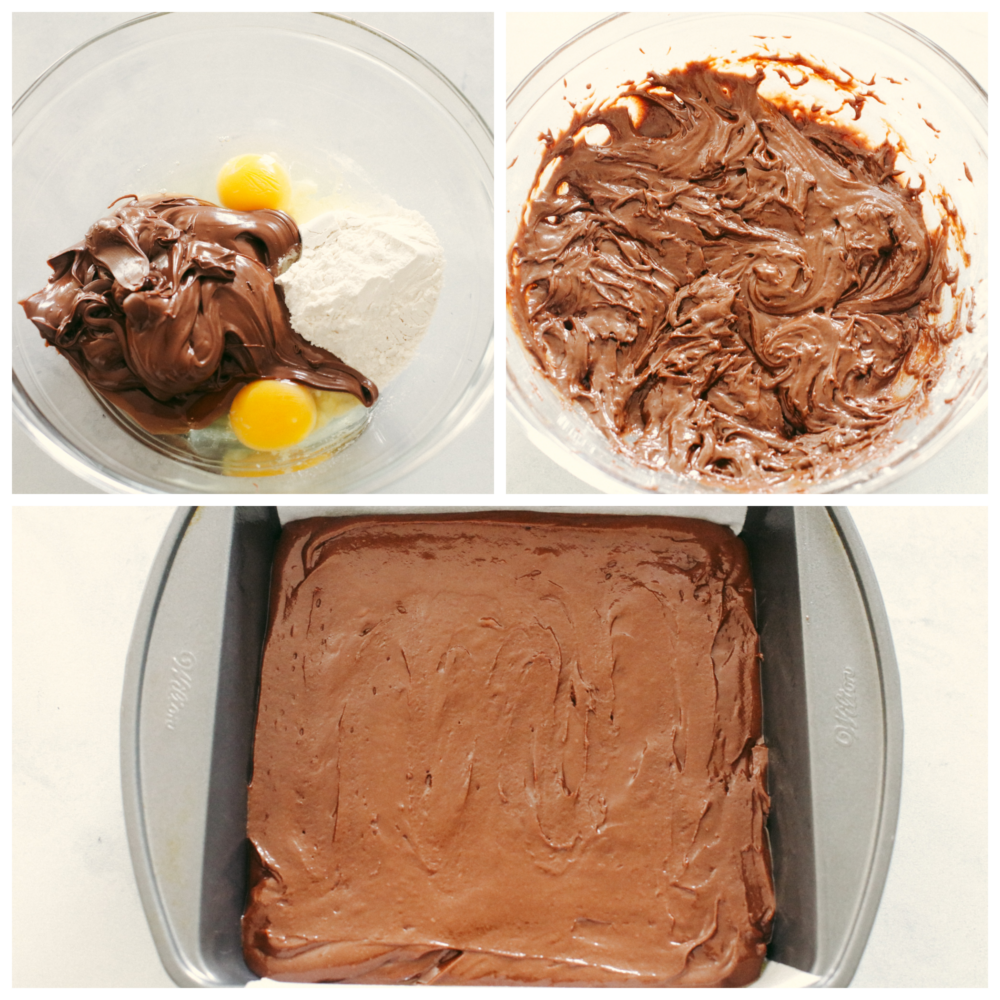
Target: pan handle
856,723
834,729
190,698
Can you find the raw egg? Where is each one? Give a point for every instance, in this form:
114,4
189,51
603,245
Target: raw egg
333,405
271,414
253,181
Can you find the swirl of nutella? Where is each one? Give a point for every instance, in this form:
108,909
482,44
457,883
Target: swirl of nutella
168,307
735,292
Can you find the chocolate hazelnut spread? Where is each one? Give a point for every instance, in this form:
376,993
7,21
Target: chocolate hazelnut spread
509,748
168,308
734,292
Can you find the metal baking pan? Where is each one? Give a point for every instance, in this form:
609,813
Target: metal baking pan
832,720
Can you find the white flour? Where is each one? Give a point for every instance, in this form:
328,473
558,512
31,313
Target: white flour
365,287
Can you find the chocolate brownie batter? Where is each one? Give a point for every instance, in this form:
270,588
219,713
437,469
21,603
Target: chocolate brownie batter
510,748
734,291
168,308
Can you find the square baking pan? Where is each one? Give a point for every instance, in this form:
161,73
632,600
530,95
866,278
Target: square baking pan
830,693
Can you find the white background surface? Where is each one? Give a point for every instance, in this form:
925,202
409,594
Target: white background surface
78,577
960,467
461,46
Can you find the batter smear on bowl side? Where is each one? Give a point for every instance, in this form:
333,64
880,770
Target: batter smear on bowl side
509,748
735,292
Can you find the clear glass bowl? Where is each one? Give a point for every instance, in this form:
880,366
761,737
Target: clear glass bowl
932,86
159,103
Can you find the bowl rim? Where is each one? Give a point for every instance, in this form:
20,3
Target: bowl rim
131,22
598,474
470,403
930,43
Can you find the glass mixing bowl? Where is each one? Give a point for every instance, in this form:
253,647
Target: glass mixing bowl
931,88
160,103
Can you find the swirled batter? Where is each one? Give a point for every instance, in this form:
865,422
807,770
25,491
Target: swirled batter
734,292
168,308
510,749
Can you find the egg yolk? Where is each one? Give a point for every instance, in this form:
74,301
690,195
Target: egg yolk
272,414
253,181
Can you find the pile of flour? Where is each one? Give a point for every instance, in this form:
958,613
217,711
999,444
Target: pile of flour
365,287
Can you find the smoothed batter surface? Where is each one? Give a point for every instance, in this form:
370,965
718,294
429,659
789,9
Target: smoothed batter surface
509,748
734,292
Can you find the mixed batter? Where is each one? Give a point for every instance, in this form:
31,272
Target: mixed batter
509,748
734,291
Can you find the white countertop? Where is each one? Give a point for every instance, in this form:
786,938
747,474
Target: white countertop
960,467
460,45
78,574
